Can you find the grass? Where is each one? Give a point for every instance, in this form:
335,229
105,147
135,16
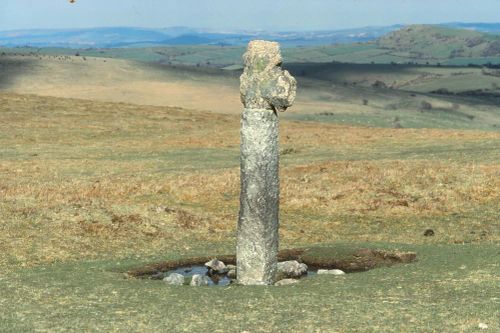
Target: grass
209,55
425,41
91,296
74,164
325,89
407,118
81,182
415,78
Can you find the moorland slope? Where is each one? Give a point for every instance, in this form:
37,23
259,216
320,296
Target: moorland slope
428,41
368,95
91,189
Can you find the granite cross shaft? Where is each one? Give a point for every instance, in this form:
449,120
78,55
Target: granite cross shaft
265,89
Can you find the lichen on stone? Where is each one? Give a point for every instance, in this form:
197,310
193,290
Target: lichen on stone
264,84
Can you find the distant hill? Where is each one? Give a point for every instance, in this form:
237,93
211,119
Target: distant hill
430,41
415,44
132,37
113,37
96,37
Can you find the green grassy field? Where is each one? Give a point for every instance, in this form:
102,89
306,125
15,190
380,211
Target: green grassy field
416,44
452,288
80,181
217,56
413,78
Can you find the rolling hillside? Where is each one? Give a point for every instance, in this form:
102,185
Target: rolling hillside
333,93
426,41
421,44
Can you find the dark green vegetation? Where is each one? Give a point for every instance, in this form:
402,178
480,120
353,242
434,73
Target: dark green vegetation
423,41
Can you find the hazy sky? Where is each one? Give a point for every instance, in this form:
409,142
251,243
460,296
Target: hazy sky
247,14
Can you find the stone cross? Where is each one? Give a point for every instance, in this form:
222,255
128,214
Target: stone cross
265,89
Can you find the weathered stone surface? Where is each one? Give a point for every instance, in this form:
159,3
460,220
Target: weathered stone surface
174,279
199,280
232,274
292,269
265,88
264,84
331,271
482,326
216,266
231,271
285,282
257,246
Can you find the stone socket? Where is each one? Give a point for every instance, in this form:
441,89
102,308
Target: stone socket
264,84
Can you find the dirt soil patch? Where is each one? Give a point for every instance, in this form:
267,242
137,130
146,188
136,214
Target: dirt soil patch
347,259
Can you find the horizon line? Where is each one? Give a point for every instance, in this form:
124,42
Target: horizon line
245,30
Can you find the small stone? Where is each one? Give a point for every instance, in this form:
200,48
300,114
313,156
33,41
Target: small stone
160,209
231,274
163,209
292,269
331,271
199,280
285,282
217,266
482,326
174,279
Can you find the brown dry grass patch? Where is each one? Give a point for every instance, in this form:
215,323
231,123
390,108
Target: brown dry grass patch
82,179
390,188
